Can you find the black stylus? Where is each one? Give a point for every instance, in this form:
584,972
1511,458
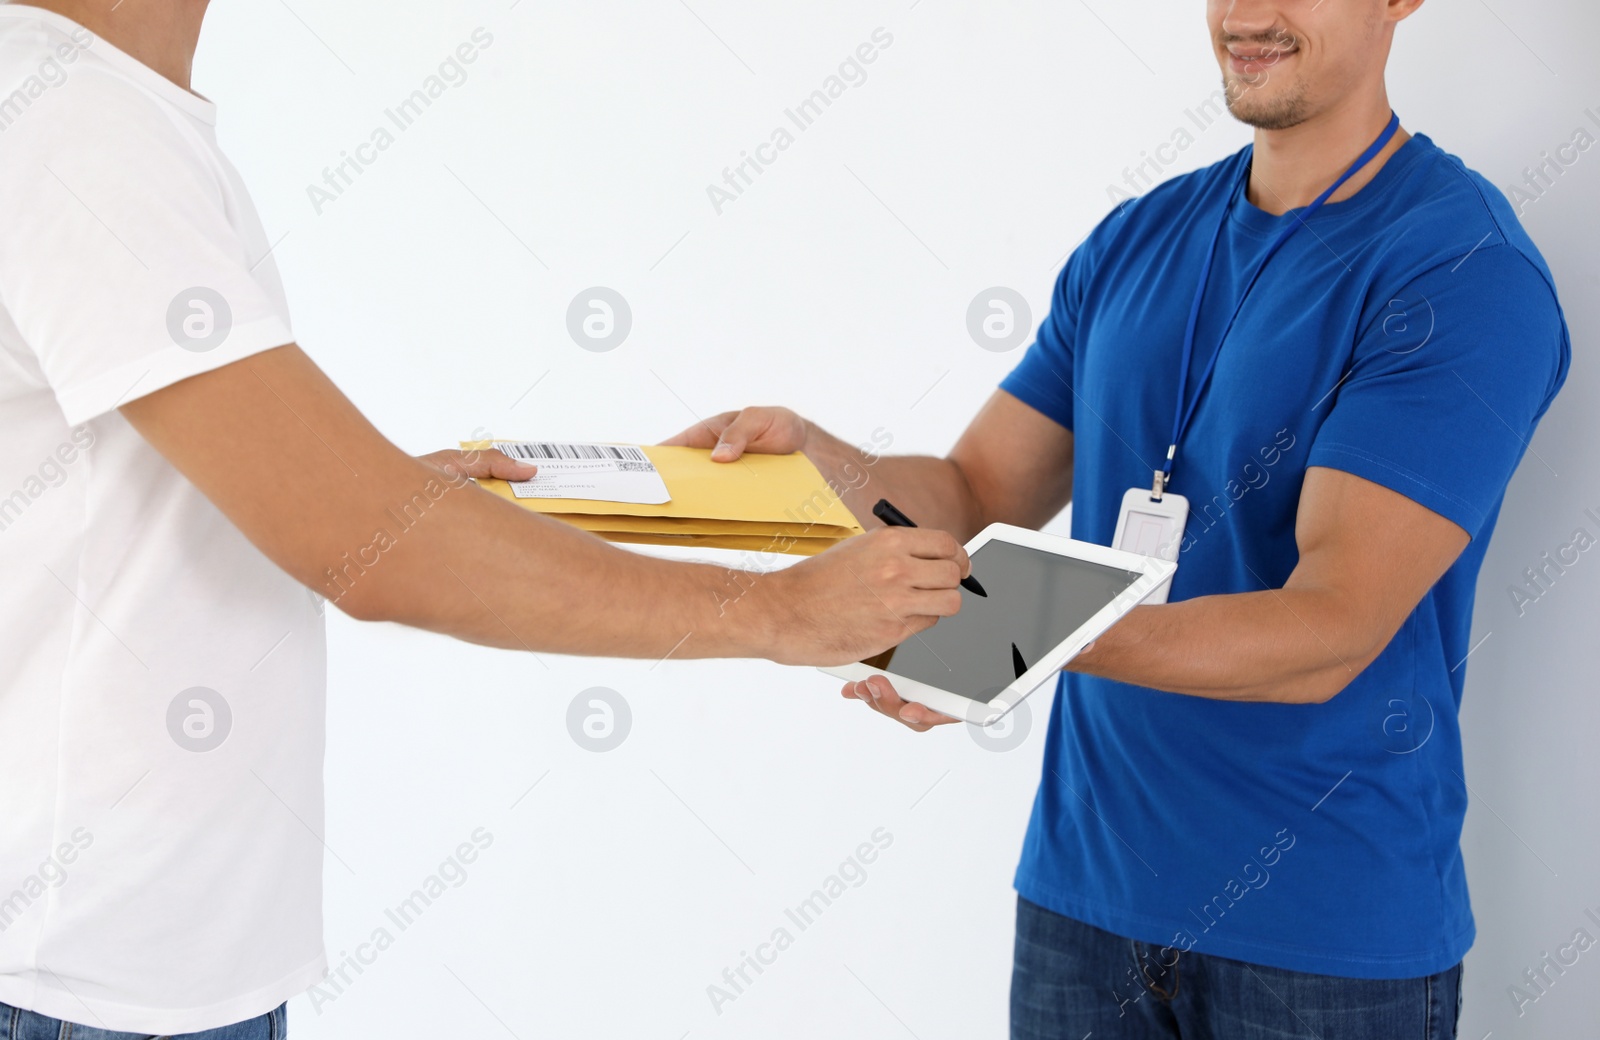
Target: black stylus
886,512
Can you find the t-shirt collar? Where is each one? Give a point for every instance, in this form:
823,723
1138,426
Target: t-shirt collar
199,107
1249,216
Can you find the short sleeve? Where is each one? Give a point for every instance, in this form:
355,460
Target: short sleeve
123,268
1447,383
1043,379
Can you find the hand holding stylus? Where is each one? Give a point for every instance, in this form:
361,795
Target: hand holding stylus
892,517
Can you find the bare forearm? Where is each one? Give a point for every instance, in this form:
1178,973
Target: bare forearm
932,491
478,568
1282,645
1367,557
1011,465
389,537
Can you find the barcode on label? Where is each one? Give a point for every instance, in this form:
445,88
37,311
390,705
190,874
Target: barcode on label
543,450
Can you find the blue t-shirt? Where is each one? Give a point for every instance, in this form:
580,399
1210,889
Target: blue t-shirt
1409,335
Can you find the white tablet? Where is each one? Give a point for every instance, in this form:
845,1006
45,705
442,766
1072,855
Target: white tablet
1048,598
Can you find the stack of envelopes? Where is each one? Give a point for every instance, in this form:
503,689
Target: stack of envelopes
760,503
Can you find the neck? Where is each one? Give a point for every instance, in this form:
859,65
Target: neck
161,34
1289,168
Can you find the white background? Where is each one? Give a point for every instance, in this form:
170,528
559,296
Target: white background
977,153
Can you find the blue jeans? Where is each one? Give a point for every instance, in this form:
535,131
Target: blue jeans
17,1024
1070,979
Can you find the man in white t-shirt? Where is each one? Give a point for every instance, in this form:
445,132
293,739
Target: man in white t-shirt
175,476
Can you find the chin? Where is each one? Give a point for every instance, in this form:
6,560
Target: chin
1276,111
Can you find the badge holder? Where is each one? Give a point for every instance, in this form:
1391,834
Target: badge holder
1151,524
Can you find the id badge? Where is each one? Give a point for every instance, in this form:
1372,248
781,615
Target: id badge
1152,527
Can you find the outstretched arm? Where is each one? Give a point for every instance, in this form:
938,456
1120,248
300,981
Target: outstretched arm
292,463
1011,465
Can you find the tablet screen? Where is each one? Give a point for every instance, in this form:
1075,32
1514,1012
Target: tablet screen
1036,599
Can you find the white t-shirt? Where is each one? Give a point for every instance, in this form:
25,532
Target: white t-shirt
161,681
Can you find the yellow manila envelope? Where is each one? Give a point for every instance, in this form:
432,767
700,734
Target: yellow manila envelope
760,503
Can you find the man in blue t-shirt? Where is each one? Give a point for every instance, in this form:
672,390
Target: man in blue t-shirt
1249,818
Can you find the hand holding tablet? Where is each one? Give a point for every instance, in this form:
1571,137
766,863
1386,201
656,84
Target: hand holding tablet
1048,598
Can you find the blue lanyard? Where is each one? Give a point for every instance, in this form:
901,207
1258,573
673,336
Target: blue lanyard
1180,420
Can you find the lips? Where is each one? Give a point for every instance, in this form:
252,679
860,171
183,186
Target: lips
1257,60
